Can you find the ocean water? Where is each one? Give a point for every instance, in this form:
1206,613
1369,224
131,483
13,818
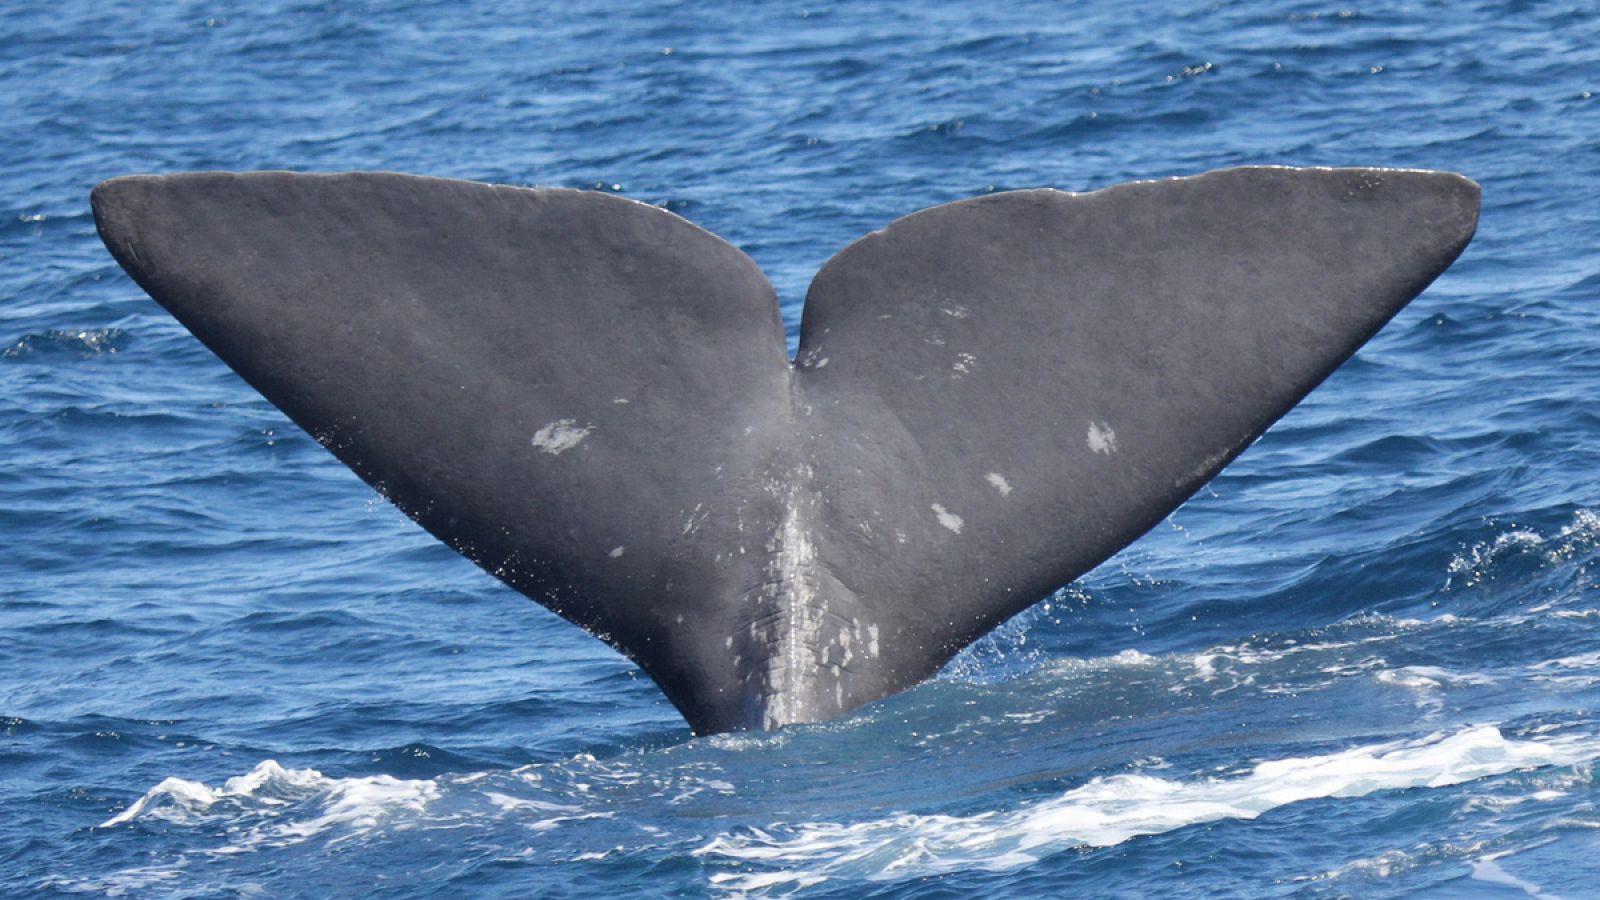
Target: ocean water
1365,661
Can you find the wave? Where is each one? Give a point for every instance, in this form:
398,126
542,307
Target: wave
1108,811
82,343
358,804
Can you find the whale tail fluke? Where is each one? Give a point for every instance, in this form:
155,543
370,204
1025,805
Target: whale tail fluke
590,397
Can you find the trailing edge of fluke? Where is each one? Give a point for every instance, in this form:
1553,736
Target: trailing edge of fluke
591,398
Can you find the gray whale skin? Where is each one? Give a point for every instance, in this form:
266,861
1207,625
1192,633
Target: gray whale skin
591,397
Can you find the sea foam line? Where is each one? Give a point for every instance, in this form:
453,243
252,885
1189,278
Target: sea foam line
1107,811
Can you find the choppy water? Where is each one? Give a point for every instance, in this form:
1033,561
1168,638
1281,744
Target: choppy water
1365,661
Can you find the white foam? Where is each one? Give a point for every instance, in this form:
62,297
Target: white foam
1476,564
1488,870
357,804
1427,678
1108,811
180,800
138,881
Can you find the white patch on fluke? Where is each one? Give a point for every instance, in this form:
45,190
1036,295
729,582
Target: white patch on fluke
1102,439
616,552
695,519
947,518
796,611
560,436
999,482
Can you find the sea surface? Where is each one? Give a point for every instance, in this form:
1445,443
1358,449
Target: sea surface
1364,661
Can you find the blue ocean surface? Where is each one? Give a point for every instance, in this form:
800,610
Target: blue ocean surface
1364,661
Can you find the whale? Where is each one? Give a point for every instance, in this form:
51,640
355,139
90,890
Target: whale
593,399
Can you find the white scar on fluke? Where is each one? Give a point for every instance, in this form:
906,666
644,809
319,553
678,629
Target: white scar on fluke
1102,439
560,436
947,518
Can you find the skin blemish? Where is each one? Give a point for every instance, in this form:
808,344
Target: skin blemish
947,518
1102,439
999,483
560,436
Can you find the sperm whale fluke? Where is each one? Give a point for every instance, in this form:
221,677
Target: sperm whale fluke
590,397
